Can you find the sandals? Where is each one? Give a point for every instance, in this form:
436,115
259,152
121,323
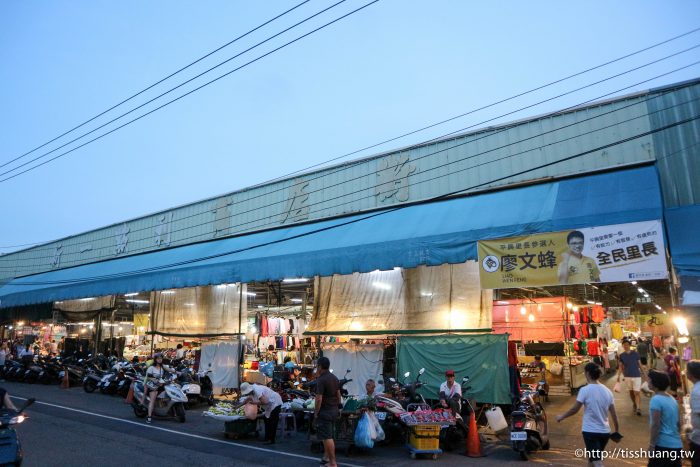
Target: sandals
148,420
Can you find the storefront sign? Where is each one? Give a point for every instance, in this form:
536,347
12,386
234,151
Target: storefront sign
619,312
613,253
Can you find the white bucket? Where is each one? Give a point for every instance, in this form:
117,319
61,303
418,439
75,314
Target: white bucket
497,421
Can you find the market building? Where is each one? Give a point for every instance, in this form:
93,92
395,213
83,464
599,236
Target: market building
547,233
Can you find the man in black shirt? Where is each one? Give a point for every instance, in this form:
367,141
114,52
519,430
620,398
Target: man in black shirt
327,412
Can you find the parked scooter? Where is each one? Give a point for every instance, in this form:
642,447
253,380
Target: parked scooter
170,403
10,447
529,431
398,398
198,387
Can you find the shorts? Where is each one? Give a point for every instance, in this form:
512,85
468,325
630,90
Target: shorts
634,384
325,429
595,444
643,360
667,459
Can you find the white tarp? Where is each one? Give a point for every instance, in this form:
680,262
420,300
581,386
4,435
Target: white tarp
446,297
195,311
223,358
364,360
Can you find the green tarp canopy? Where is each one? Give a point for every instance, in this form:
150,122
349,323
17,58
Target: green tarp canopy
482,357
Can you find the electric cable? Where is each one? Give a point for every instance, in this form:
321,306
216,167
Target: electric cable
430,154
156,83
444,121
177,87
360,219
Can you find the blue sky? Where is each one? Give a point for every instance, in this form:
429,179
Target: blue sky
391,68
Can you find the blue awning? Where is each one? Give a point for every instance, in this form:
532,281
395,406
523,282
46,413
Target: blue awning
683,225
425,234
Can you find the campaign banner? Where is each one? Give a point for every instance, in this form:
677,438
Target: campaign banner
611,253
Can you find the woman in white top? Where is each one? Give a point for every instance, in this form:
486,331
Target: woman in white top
154,372
596,400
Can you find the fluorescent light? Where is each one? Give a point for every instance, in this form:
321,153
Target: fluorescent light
86,299
296,300
646,295
590,302
640,290
633,282
260,306
299,279
189,304
132,294
251,294
426,294
221,286
133,300
381,285
168,292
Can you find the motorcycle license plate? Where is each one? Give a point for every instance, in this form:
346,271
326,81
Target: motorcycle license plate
381,415
518,436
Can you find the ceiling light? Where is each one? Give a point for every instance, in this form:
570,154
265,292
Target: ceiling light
569,305
633,282
640,290
292,280
531,318
523,310
132,294
168,292
251,294
296,300
133,300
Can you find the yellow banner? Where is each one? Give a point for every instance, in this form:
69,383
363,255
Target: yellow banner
612,253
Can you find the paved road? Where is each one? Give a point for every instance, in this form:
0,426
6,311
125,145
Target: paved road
69,427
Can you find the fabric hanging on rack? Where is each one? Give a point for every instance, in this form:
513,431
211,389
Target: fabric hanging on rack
592,347
364,360
598,313
616,331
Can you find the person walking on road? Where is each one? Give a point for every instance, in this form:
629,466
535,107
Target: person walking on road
631,368
664,423
327,413
597,401
693,373
673,369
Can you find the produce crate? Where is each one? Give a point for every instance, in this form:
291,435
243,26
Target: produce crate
240,428
424,437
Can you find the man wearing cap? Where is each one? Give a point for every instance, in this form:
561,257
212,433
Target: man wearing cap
270,401
451,392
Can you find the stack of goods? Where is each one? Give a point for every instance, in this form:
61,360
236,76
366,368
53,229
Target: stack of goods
428,417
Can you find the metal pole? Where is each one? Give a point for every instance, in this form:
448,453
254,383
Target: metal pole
151,318
240,327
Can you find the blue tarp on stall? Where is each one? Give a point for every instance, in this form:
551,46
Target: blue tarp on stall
432,233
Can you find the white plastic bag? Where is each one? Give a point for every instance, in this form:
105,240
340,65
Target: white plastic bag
377,427
556,368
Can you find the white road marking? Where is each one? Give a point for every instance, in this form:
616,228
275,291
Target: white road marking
191,435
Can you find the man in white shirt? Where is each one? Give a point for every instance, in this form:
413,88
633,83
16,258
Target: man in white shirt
451,392
693,373
270,401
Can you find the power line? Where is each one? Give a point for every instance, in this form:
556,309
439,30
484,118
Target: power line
434,124
177,87
369,216
520,141
156,83
488,135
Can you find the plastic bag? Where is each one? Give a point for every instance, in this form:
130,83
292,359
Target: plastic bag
251,411
556,368
363,436
379,433
617,387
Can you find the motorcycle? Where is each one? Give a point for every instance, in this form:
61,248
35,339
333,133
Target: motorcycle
91,379
529,430
197,386
10,447
170,403
398,398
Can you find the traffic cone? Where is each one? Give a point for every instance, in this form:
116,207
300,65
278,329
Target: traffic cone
65,384
130,396
473,442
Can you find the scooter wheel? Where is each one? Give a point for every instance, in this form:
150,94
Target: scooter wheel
180,413
89,386
140,411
